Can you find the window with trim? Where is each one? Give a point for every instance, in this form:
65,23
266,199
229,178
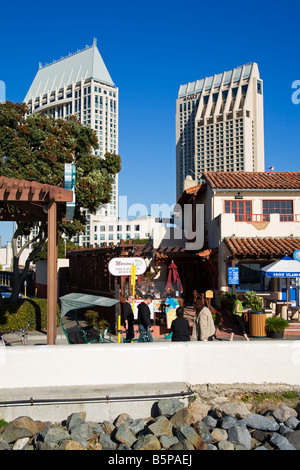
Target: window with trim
284,208
241,209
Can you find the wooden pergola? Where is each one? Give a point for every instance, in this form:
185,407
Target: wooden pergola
22,200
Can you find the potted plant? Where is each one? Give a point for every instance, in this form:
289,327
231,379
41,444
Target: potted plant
253,302
256,317
276,326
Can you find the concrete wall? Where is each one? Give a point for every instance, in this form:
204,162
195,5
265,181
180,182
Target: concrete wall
131,370
116,364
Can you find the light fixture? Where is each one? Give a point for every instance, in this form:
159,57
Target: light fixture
239,196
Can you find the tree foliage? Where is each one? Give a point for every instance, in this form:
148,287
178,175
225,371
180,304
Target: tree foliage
36,148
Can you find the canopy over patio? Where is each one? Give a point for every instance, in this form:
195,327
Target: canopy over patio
74,301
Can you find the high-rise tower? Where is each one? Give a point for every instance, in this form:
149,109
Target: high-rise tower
220,124
80,84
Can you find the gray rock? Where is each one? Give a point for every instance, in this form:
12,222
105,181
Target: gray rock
284,412
136,426
281,442
107,443
210,421
123,418
292,422
225,445
294,439
125,436
4,445
240,436
260,448
168,441
40,445
228,422
122,447
283,430
161,426
75,419
169,407
263,423
148,442
187,432
203,430
54,434
82,433
211,447
96,427
108,427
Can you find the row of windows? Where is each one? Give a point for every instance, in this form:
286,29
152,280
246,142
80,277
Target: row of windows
110,228
243,210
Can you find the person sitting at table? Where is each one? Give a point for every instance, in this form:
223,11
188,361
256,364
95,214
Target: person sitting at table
180,327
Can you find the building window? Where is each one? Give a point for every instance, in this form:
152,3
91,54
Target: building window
250,278
284,208
241,209
259,87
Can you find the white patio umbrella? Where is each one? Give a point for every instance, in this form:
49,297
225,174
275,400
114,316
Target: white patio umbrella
285,268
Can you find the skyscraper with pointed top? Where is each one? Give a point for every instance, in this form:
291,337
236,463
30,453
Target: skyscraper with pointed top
81,85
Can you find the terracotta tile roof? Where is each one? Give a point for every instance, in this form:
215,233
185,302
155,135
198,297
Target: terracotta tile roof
253,180
262,247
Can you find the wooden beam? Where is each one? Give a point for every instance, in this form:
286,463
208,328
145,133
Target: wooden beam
52,273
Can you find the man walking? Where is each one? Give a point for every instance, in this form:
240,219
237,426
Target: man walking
144,318
128,318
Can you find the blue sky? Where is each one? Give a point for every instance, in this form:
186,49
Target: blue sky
150,48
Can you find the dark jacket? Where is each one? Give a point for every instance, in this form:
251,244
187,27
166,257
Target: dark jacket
127,312
181,329
144,315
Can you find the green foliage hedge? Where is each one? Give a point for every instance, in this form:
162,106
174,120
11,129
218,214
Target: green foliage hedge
17,316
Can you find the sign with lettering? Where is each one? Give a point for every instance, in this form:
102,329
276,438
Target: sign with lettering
233,276
123,266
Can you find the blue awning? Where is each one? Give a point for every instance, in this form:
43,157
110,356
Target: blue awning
285,268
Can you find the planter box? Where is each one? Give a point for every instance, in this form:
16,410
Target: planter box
276,334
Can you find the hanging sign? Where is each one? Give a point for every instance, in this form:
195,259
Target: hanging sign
233,276
123,266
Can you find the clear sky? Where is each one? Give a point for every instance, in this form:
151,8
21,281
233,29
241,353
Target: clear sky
150,48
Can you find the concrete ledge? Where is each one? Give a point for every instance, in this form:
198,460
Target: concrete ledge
118,364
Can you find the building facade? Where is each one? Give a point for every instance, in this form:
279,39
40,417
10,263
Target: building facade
80,85
251,220
220,124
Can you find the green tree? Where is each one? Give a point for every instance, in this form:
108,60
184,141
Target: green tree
36,148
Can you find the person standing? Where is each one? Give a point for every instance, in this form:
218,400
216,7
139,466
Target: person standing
180,327
144,319
128,317
204,328
237,313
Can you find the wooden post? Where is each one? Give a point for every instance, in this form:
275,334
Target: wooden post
52,273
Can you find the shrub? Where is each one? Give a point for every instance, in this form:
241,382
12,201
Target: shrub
18,315
275,324
92,318
253,301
